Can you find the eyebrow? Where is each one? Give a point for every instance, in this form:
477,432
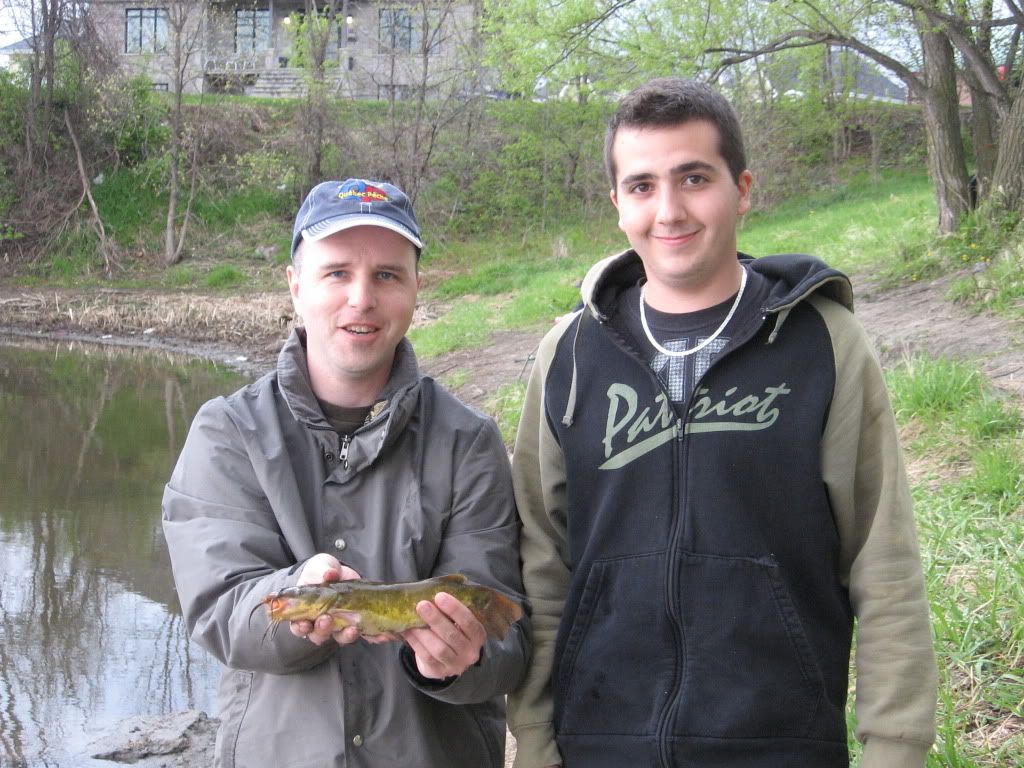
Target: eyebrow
680,170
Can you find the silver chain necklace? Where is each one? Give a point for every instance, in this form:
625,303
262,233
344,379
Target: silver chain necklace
708,340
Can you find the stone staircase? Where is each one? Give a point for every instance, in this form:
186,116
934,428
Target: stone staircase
277,83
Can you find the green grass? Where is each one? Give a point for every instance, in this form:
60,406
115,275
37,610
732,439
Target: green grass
505,407
969,503
857,228
224,276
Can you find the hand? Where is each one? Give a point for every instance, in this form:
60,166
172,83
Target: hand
319,569
451,641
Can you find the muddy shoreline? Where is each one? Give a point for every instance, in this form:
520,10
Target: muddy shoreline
242,331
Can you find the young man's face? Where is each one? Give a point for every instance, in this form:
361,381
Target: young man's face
679,205
356,293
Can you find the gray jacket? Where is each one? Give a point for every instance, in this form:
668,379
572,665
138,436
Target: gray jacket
262,484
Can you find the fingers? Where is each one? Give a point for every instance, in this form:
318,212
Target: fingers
319,567
451,641
317,632
347,636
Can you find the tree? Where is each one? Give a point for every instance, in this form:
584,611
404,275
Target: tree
184,25
711,42
429,80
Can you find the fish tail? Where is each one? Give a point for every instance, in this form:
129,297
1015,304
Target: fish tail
499,615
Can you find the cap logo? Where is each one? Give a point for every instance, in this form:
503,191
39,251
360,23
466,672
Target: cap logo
365,193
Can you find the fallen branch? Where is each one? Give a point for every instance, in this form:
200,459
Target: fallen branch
107,248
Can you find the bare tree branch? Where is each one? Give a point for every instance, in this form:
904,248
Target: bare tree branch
106,247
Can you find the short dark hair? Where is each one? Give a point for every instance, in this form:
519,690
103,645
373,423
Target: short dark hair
668,101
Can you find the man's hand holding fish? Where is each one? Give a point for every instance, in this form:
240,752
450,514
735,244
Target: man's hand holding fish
319,569
449,644
451,641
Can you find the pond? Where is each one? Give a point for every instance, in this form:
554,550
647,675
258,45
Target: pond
91,629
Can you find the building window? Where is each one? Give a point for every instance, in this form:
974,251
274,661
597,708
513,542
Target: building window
252,30
145,30
402,31
346,30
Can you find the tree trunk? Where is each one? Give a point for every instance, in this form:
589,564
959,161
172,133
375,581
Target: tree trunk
983,136
1008,177
172,253
946,160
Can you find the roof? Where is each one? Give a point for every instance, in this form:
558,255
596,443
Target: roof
21,46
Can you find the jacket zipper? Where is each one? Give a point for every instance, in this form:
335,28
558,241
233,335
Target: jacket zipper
673,557
679,500
346,441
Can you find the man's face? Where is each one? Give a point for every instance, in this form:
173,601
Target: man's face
678,206
356,292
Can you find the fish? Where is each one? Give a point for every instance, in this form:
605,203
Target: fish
376,607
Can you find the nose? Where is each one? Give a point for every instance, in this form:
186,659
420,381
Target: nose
670,205
361,293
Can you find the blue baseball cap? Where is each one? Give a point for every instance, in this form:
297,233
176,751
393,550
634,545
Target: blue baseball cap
333,206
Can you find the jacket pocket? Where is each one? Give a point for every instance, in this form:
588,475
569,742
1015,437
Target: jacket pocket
750,670
618,653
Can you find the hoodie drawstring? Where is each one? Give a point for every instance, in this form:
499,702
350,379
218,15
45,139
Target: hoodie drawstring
570,405
780,318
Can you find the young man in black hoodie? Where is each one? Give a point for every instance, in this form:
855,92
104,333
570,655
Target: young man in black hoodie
712,491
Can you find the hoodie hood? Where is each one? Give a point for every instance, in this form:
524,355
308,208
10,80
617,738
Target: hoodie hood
792,277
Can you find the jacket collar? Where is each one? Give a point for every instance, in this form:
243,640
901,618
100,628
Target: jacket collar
389,414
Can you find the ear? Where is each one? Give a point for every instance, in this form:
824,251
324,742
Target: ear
744,183
614,198
293,285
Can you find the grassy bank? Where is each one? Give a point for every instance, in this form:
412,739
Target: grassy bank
965,454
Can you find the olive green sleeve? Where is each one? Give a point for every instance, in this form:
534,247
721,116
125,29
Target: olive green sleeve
862,464
538,474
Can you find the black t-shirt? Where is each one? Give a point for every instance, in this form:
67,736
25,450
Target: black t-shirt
345,420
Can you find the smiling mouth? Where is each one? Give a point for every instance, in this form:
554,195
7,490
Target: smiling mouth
360,330
681,237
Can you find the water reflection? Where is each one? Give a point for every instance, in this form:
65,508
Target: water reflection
90,629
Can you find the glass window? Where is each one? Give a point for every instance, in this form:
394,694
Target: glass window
403,31
252,29
145,30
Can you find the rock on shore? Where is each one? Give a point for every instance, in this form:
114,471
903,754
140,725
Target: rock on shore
179,740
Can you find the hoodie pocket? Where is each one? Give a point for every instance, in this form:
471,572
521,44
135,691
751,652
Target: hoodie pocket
615,670
750,670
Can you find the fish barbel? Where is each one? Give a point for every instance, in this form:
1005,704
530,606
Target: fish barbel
378,607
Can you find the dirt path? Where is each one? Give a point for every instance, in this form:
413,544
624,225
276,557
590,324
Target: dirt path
918,318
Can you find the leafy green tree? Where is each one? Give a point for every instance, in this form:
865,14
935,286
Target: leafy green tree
716,38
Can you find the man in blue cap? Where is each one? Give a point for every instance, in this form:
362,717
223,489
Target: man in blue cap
345,462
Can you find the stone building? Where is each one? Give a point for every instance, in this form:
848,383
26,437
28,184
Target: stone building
375,48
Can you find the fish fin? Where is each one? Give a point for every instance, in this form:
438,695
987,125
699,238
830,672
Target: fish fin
452,578
499,615
344,619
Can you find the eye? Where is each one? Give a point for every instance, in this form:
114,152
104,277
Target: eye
640,188
694,180
385,275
